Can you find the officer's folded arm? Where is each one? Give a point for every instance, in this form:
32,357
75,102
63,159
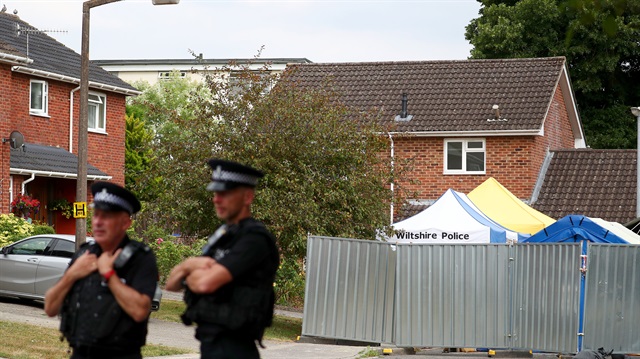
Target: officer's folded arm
208,280
134,303
182,270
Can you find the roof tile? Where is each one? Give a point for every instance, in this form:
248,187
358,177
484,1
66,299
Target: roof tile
444,95
48,54
595,183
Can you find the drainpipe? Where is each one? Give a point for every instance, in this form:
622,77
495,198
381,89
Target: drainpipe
10,191
71,119
33,176
392,159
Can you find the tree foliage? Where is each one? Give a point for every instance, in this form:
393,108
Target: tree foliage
599,38
137,153
325,174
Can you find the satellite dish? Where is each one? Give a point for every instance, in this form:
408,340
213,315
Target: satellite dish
16,140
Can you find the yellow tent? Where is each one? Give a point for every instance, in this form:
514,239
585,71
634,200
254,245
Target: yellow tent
495,201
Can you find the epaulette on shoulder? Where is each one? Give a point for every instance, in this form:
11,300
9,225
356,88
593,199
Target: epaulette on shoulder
140,245
87,244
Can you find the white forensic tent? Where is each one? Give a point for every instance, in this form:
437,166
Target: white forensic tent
453,218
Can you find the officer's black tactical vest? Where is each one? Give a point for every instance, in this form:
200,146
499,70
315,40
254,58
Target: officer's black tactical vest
90,315
244,305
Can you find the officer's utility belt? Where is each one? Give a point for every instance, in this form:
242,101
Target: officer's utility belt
246,306
105,352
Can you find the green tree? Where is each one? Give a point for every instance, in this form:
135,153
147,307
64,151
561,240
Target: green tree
325,174
137,156
599,38
166,99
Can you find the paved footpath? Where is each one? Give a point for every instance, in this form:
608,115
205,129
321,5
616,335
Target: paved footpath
183,337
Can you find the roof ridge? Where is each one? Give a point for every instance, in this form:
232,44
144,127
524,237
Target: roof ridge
407,62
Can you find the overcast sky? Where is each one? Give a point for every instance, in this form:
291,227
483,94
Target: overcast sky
320,30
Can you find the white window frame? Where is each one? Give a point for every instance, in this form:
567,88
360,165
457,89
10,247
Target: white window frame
99,108
168,75
465,151
44,98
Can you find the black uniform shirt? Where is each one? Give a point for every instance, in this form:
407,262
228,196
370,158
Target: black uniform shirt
251,256
140,273
246,254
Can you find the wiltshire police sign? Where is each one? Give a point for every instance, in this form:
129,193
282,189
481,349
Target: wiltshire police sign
453,218
455,236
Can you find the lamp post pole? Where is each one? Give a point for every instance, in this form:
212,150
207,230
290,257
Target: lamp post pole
636,112
83,126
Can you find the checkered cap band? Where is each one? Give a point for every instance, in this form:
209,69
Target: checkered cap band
228,176
110,198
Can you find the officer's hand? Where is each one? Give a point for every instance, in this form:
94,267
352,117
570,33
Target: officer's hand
105,261
86,264
202,262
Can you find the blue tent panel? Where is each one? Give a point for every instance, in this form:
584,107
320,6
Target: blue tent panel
575,228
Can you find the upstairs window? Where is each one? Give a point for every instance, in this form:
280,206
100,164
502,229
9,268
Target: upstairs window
464,156
97,112
39,99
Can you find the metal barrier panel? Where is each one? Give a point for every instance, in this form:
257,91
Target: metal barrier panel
546,287
612,298
452,295
349,290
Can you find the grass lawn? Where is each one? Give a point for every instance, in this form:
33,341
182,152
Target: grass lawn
283,328
24,341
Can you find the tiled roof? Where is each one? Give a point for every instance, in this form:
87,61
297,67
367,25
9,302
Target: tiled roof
444,95
409,210
595,183
48,159
48,54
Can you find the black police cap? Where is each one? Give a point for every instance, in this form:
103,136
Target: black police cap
109,196
229,174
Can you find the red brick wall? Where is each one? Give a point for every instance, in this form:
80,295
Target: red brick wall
515,161
106,151
5,129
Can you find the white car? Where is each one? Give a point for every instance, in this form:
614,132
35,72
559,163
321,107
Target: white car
29,267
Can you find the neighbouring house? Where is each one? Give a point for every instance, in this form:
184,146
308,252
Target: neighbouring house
594,183
39,106
462,122
154,70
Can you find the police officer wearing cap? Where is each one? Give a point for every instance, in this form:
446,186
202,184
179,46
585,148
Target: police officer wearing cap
229,289
104,297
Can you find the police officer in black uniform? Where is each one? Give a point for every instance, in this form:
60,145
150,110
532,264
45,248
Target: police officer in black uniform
104,297
229,289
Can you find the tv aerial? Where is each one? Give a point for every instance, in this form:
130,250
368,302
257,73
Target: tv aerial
31,30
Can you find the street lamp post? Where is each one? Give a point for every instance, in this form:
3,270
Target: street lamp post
636,112
83,126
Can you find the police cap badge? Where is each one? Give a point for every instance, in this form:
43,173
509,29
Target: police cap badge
109,196
228,175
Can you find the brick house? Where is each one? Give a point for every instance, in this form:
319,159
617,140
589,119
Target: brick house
462,121
39,100
154,70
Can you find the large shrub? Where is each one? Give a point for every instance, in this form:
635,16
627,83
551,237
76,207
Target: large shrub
13,228
170,251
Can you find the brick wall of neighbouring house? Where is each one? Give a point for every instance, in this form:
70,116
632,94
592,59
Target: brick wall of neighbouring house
557,129
515,161
106,151
5,131
510,160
